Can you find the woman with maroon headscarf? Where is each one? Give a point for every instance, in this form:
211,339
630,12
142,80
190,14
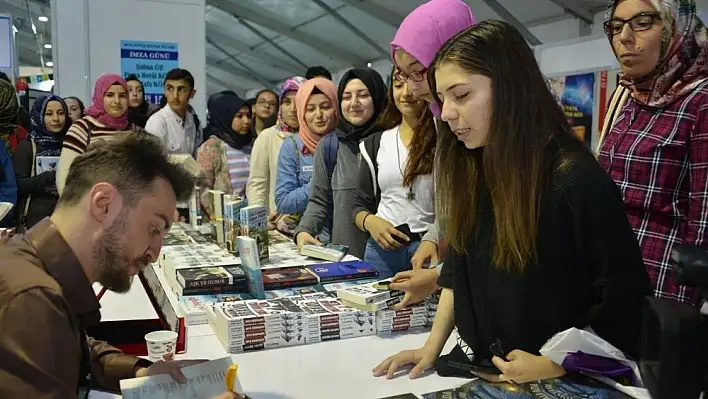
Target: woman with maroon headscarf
107,117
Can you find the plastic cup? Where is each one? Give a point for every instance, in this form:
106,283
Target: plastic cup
161,345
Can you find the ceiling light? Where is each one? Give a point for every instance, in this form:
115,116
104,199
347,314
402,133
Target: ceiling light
368,64
47,45
34,29
42,19
49,64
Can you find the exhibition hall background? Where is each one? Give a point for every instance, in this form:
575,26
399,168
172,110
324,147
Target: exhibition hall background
248,45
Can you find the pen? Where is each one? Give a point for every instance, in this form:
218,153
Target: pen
100,293
231,377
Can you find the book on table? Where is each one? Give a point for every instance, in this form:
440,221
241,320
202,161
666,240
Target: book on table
574,386
329,252
337,271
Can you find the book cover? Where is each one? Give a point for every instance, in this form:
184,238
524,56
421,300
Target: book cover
290,292
204,277
366,294
340,285
248,251
287,277
216,215
329,272
45,164
254,224
556,388
232,220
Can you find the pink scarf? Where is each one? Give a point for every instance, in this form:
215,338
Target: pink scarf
424,31
328,88
98,111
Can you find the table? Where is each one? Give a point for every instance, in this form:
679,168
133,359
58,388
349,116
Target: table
335,369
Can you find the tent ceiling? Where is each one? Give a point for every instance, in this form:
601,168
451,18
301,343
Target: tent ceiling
252,43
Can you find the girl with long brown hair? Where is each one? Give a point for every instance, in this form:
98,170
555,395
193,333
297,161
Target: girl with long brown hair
395,182
539,241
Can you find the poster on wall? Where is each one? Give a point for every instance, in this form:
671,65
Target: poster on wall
576,96
150,62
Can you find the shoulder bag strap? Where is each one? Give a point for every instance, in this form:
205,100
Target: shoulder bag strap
32,174
297,157
619,98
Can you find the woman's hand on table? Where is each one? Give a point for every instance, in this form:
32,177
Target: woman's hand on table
305,238
417,284
422,359
523,367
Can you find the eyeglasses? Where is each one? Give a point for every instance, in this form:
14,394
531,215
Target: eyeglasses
264,103
638,23
415,76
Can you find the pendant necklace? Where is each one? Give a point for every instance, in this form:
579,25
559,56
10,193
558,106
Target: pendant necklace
410,196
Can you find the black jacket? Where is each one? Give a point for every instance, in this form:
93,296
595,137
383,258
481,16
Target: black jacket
40,189
368,193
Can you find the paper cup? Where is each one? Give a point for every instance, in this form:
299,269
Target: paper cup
161,345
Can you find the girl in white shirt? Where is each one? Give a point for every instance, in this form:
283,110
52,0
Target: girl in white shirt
396,185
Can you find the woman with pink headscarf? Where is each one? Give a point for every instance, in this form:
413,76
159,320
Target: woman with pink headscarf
105,119
413,48
318,115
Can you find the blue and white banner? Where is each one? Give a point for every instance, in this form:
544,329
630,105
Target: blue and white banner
150,62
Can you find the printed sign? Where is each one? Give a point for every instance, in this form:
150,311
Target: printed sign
150,62
576,94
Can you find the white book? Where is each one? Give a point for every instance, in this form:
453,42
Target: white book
204,380
330,252
5,208
45,164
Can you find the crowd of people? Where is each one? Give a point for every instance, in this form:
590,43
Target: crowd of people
458,175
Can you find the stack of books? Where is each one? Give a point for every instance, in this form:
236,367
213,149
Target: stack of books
258,324
411,318
263,324
195,307
327,319
373,297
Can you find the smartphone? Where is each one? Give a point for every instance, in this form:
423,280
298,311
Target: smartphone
485,366
405,229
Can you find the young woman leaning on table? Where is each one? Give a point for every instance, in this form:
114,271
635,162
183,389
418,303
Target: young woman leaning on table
539,242
395,182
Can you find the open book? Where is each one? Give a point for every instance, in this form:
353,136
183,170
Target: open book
204,381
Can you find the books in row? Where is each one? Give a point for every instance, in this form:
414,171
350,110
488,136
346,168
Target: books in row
195,306
263,324
231,217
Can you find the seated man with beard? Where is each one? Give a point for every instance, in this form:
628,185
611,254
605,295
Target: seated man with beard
109,224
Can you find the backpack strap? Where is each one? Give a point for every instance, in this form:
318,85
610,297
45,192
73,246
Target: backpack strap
619,98
297,156
330,153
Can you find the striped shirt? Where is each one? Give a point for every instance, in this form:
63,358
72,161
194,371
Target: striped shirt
239,166
77,138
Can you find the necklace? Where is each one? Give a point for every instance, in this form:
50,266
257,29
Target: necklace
410,196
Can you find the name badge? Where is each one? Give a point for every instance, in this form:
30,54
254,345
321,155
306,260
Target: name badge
308,168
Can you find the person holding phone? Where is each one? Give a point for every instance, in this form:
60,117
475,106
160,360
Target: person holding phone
394,197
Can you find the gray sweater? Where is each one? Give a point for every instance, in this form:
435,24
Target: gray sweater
342,188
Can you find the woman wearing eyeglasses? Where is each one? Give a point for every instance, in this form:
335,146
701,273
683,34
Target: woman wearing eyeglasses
657,149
